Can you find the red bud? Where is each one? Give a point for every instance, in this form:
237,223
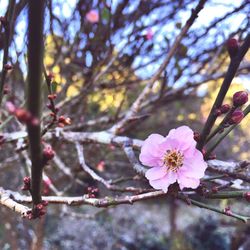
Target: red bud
232,47
236,117
240,98
48,153
225,108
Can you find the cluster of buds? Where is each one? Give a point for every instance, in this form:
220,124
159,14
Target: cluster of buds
63,121
232,47
235,115
239,99
38,211
26,183
222,110
48,154
92,192
22,114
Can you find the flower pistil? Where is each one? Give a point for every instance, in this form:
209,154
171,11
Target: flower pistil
173,160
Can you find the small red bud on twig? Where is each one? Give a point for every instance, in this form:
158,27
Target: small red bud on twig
23,115
218,112
8,67
26,182
52,97
227,211
225,108
48,153
240,98
3,21
232,47
247,196
197,136
236,117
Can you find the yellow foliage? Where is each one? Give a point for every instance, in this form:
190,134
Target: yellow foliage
192,116
108,99
180,117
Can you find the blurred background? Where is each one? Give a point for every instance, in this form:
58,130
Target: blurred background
99,67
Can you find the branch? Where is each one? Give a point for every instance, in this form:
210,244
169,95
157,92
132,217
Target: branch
7,201
146,91
35,58
230,168
98,178
7,36
221,211
232,69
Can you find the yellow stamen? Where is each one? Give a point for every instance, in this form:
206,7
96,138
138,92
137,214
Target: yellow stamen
173,160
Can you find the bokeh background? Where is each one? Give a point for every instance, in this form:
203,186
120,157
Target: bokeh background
98,71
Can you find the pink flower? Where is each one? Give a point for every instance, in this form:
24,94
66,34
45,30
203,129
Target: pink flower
173,158
149,34
92,16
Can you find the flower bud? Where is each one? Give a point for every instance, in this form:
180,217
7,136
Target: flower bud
247,196
3,21
236,117
52,97
10,107
64,121
8,67
218,112
23,115
48,153
197,136
225,108
240,98
26,180
232,47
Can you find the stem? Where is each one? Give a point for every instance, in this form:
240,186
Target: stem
35,58
227,195
221,125
232,69
217,210
7,35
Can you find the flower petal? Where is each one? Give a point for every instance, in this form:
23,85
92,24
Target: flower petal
193,167
164,182
151,153
156,173
185,136
187,182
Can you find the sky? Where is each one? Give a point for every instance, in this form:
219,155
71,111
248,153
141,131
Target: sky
65,8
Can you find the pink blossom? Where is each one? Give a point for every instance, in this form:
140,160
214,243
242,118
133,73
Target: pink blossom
149,34
92,16
173,158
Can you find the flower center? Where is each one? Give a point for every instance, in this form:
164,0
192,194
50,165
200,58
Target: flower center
173,160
